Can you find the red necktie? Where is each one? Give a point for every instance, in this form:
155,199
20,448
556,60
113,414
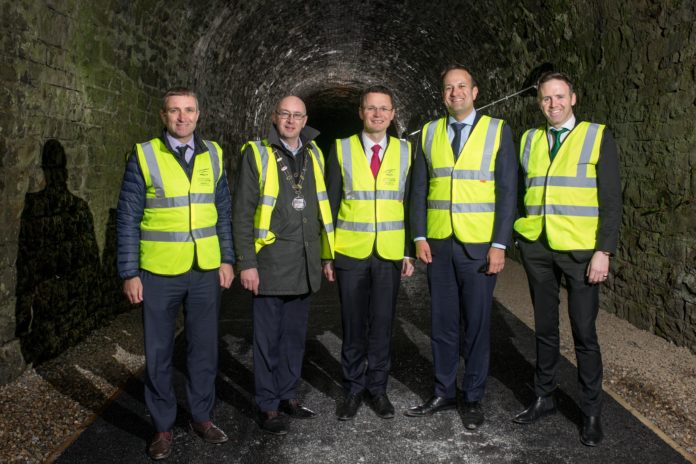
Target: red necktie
375,162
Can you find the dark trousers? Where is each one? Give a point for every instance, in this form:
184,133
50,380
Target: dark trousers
199,292
280,329
460,291
368,289
544,270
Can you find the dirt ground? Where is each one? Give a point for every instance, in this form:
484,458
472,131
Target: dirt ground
47,407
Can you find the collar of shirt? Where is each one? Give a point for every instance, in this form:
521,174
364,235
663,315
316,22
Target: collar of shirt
466,130
368,143
469,120
174,143
293,151
569,124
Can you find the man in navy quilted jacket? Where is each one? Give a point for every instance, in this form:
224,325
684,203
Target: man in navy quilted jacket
175,248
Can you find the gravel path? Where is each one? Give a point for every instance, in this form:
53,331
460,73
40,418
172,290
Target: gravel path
47,407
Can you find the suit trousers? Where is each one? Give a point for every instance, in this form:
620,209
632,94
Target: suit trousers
199,292
368,289
280,329
460,291
544,270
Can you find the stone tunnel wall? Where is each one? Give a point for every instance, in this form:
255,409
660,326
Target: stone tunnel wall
635,66
90,75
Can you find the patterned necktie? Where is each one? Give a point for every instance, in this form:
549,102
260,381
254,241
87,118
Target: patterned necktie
456,140
556,141
182,151
375,162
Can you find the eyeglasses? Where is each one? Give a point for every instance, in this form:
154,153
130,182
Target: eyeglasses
374,109
289,115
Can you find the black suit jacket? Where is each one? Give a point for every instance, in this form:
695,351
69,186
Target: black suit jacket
505,196
609,194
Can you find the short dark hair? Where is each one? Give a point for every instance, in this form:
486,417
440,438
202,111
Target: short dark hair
376,89
461,67
554,75
178,92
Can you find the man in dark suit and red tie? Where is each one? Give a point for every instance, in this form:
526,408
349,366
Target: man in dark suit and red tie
463,203
571,226
367,183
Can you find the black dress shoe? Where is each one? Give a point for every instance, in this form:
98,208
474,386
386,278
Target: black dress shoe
542,406
350,406
433,405
274,423
296,410
382,406
591,433
472,415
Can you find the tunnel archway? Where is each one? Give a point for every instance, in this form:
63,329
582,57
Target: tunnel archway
91,76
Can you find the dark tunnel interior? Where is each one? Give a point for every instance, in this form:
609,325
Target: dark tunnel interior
334,113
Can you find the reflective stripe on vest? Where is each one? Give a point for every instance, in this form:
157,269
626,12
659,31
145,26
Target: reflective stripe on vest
371,213
561,196
461,195
180,216
269,187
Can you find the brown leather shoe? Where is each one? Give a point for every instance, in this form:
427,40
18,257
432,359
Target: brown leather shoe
160,446
209,432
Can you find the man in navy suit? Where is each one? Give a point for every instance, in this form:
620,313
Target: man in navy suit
463,203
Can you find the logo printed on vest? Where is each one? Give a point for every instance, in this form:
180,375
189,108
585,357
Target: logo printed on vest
204,178
390,175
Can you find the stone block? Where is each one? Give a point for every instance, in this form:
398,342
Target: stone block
690,314
690,339
7,317
11,362
641,317
670,328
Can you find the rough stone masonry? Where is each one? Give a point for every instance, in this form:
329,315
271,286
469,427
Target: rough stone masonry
86,78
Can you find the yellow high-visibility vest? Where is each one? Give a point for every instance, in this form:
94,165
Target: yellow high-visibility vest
371,215
269,187
561,196
180,215
461,195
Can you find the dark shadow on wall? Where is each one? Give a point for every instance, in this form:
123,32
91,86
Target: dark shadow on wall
113,300
59,274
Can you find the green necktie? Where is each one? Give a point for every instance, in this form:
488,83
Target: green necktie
556,141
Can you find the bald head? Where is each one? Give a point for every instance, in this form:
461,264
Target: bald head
289,117
291,101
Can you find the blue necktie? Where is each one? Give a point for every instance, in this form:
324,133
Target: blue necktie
456,140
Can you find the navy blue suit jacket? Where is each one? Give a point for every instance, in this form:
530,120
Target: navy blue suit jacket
505,196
